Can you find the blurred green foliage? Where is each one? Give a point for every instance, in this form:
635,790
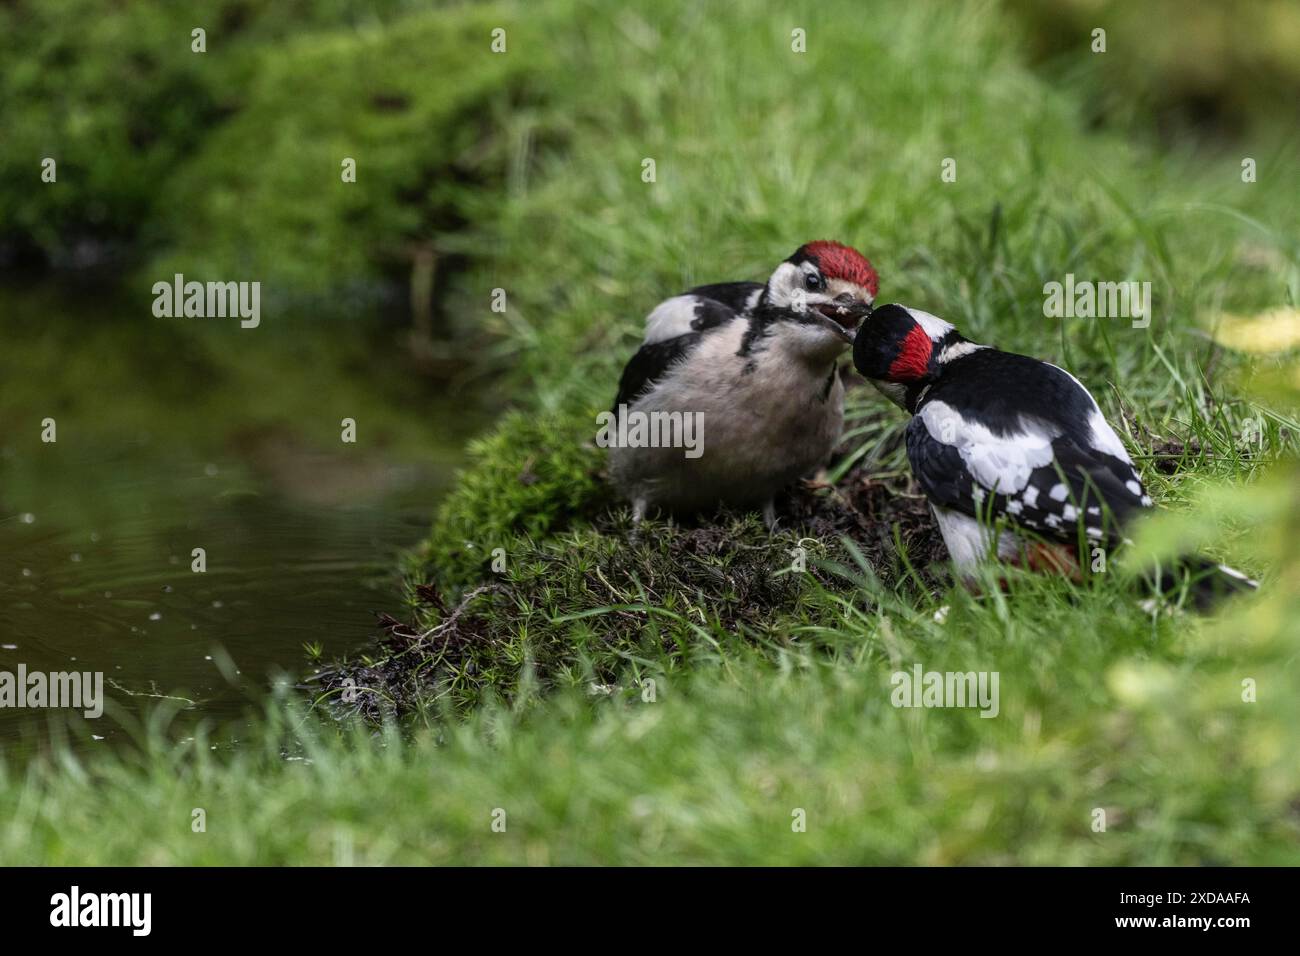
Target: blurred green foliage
227,163
1189,67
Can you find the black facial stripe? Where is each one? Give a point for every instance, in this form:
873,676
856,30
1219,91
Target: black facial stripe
951,337
912,395
759,328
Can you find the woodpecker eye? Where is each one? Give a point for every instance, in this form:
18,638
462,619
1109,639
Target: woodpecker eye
813,282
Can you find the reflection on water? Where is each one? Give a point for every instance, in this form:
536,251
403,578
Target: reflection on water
98,530
122,598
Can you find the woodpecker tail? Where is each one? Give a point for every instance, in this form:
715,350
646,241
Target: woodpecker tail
1207,582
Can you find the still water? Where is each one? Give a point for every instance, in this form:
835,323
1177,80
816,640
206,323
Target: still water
237,452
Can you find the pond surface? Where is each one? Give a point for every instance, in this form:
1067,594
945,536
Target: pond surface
211,439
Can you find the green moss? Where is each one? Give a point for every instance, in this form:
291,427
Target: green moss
530,475
588,608
535,578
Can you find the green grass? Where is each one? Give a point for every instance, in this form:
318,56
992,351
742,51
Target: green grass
1120,715
771,690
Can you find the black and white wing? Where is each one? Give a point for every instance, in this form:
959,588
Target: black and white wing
1049,466
737,296
675,327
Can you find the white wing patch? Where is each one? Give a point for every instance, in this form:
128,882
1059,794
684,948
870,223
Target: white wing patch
670,318
1001,463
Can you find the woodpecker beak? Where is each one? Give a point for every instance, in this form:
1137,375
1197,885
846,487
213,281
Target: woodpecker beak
844,315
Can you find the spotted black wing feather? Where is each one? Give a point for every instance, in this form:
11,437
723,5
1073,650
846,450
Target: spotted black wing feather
1097,486
1032,430
1003,436
1089,484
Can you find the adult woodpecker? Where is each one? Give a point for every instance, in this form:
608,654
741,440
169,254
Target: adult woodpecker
756,365
996,435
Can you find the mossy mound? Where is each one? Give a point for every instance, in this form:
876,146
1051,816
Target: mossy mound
536,577
532,474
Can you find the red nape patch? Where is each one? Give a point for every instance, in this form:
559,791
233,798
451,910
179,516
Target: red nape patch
844,262
913,358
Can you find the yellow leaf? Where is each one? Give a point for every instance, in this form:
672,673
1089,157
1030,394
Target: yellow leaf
1274,330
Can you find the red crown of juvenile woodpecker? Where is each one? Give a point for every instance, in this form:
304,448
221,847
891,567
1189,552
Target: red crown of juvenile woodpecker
839,261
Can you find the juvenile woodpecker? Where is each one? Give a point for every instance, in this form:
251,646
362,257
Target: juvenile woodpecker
995,435
756,366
